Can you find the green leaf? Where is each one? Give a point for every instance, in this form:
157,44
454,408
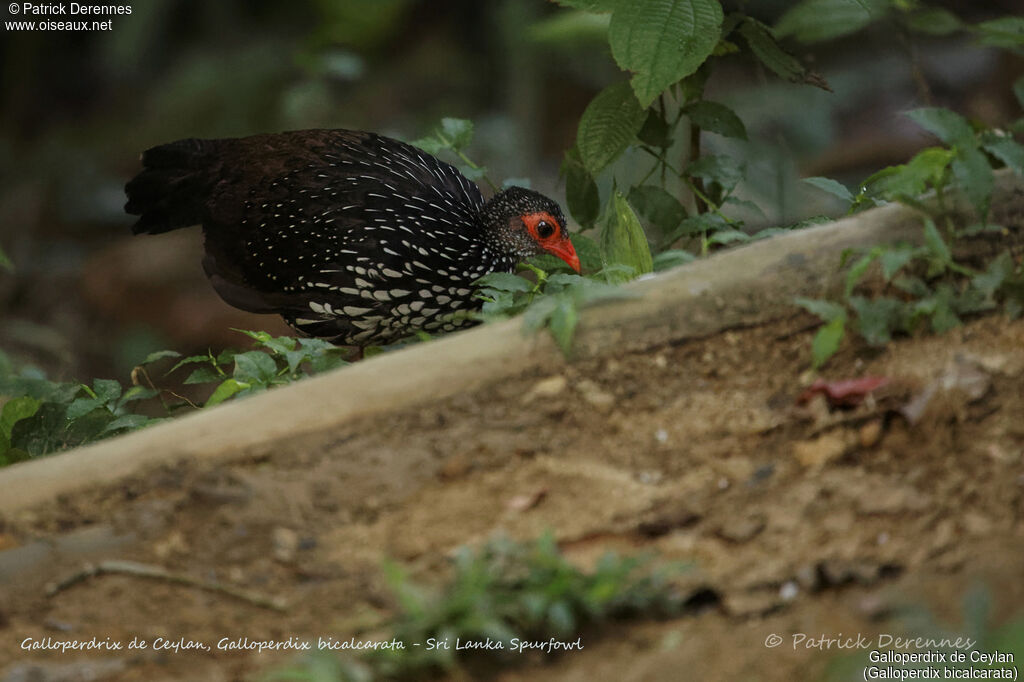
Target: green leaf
1007,150
655,131
933,21
570,30
589,251
972,170
812,21
700,224
860,266
943,316
948,126
5,262
255,367
203,375
764,46
894,258
138,393
563,322
107,390
935,243
160,355
81,407
228,388
128,421
914,286
590,5
876,319
15,410
191,360
1018,91
662,211
827,340
827,311
725,170
430,144
716,118
457,133
910,180
999,270
539,313
728,236
1005,32
663,41
504,281
608,125
833,187
672,258
623,241
581,193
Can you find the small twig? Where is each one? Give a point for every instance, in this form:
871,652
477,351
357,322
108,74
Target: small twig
140,370
140,570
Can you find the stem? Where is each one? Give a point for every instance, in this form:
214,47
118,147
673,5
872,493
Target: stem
691,183
466,160
697,184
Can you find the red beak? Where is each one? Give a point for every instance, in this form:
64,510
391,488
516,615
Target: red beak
565,250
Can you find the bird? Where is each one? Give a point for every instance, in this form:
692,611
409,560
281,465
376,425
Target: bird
350,236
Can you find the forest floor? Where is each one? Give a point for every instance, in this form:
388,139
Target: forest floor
797,519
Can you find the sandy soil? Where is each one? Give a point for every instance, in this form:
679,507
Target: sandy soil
798,519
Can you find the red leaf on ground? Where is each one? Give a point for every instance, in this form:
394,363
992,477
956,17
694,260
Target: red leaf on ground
844,393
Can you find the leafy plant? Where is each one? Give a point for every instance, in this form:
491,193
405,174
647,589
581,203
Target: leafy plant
502,591
43,416
930,289
976,624
278,360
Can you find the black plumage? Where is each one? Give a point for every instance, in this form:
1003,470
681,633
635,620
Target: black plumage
348,235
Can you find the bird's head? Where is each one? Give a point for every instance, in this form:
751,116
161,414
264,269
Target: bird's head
527,223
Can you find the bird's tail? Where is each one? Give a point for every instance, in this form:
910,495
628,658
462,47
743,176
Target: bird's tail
174,185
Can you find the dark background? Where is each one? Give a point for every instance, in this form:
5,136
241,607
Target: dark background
86,299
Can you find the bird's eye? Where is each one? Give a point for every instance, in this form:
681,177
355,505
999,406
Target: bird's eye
545,229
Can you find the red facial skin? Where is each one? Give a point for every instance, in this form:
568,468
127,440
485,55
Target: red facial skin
557,243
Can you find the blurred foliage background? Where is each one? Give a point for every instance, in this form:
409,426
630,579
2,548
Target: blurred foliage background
86,299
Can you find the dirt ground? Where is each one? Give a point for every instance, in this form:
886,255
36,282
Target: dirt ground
798,519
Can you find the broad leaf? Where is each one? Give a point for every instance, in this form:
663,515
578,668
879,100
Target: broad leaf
589,5
812,21
563,322
973,171
1007,150
504,281
1005,32
833,187
15,410
934,21
609,123
672,258
876,319
228,388
255,367
662,211
716,118
457,132
825,310
663,41
826,341
623,241
948,126
725,170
